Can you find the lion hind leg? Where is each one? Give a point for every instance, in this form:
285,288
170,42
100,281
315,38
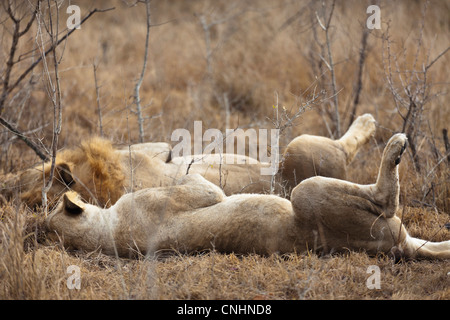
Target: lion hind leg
359,133
418,248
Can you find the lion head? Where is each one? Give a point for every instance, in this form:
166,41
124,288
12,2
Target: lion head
92,169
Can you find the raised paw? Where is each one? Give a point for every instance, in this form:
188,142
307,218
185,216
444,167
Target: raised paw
395,147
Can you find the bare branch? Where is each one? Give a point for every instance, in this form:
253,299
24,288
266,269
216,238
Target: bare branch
446,143
17,34
137,98
362,57
329,62
22,137
97,92
320,22
437,58
7,87
53,47
55,97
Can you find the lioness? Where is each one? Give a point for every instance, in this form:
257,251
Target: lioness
324,214
101,174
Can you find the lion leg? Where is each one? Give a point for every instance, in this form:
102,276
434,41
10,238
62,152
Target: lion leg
387,188
357,135
418,248
161,150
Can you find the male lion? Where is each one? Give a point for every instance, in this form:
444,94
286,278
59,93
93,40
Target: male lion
102,174
324,214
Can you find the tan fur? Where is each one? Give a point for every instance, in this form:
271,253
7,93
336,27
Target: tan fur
307,156
324,214
92,169
101,174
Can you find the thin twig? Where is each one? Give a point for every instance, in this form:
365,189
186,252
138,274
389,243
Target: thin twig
362,57
446,143
325,25
137,98
8,87
437,58
17,34
22,137
97,92
57,107
53,47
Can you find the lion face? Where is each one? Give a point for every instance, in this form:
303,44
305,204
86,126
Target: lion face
93,169
28,185
67,220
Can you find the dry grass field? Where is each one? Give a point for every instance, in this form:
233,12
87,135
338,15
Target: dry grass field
232,64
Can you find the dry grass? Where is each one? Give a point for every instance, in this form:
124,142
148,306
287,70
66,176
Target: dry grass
31,267
257,54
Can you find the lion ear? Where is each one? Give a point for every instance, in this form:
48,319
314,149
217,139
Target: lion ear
71,204
64,174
